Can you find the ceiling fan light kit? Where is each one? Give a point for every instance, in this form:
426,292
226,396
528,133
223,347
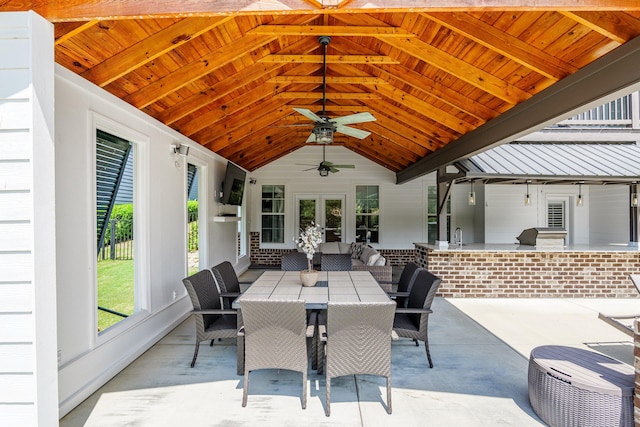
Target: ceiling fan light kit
324,127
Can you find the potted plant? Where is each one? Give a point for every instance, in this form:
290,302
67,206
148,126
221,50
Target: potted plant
310,239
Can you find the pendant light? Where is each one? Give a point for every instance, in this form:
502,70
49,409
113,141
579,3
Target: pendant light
472,196
527,198
579,201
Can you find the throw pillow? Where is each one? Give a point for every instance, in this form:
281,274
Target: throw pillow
356,250
381,261
366,254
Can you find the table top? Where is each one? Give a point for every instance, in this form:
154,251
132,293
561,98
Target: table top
336,286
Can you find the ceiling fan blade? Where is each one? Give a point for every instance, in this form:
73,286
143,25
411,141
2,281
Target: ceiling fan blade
309,114
353,118
312,138
356,133
333,170
310,169
343,166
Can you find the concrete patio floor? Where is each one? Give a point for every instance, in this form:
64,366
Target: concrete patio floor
480,350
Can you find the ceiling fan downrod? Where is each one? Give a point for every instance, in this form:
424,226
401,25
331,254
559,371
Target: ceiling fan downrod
324,41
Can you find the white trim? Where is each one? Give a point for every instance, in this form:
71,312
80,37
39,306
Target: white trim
142,297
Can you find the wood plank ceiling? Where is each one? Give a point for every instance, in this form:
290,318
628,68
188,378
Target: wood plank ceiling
227,74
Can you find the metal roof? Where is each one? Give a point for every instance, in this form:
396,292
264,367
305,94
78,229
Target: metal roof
596,163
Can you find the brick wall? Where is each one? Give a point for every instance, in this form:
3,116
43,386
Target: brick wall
501,274
636,364
272,257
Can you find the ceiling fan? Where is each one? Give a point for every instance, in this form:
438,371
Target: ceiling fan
325,167
324,127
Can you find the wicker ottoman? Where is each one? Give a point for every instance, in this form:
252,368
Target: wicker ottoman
576,387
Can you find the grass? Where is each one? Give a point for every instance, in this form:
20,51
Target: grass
115,291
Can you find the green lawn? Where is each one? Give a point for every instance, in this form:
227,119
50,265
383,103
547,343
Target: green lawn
115,290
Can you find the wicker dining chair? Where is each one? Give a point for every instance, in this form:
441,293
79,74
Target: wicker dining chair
294,261
335,262
228,282
405,283
357,340
413,321
275,337
212,322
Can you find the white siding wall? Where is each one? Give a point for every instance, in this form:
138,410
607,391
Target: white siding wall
28,372
609,214
506,214
402,207
88,361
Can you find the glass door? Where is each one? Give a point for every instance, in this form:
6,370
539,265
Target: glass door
325,210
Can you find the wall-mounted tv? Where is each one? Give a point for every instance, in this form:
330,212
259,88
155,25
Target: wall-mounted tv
233,185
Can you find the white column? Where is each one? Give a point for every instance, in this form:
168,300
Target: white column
28,333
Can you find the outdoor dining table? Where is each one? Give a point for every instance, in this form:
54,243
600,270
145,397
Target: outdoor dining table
332,286
336,286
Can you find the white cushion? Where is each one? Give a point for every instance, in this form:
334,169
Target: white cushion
373,258
381,261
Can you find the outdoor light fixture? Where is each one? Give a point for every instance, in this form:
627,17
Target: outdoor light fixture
324,133
634,195
324,172
579,201
180,149
527,198
472,196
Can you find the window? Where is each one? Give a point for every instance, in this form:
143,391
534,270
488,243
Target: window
432,215
193,219
555,215
115,186
367,213
272,214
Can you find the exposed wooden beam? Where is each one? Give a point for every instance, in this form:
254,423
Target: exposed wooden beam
150,48
330,80
331,59
214,93
329,95
80,10
69,33
504,43
406,118
460,69
428,110
404,75
618,27
331,30
195,70
606,78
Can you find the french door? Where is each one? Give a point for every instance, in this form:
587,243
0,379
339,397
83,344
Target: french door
323,209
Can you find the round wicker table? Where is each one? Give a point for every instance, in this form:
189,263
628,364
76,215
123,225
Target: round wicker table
576,387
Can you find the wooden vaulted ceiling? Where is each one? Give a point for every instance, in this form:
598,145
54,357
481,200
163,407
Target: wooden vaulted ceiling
228,73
